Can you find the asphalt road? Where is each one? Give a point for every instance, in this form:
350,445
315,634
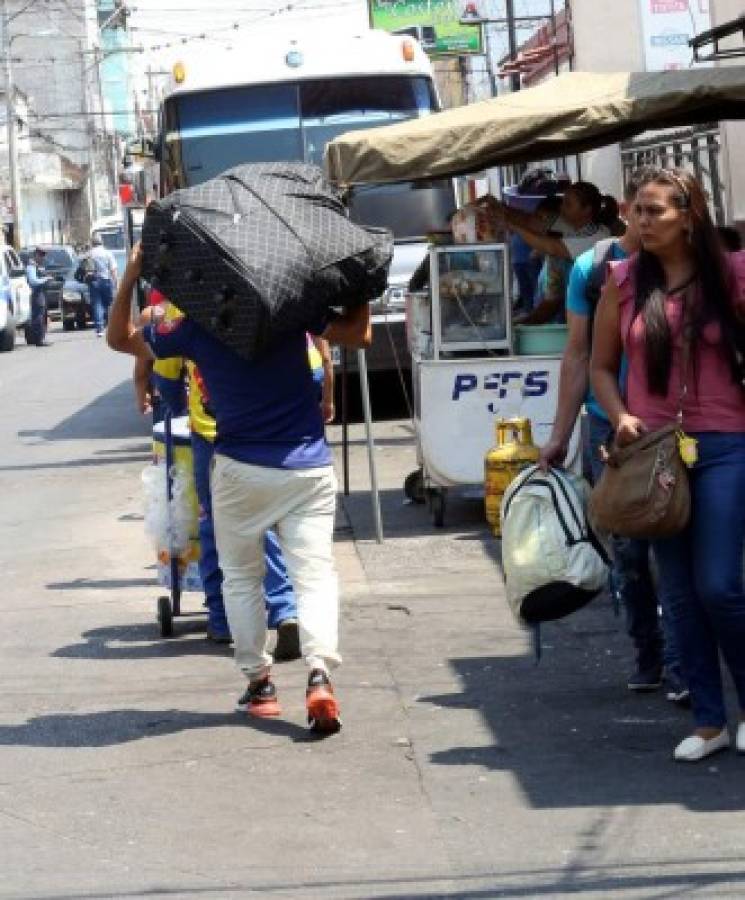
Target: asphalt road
463,771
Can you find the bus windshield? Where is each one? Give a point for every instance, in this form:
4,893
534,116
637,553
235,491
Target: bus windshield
111,238
208,132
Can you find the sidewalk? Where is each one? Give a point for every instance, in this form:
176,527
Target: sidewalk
552,777
463,770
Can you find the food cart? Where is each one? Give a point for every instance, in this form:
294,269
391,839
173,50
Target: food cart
466,372
469,367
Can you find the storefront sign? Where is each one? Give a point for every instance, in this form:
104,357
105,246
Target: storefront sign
667,26
434,23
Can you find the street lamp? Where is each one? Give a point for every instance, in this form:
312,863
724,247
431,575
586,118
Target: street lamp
472,16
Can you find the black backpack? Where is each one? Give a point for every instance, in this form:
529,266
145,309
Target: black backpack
602,255
86,270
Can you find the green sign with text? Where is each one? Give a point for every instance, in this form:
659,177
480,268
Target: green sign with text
434,23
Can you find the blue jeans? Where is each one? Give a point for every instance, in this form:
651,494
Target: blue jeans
280,597
526,275
102,295
701,576
631,579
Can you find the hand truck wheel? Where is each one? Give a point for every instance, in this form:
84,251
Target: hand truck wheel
437,507
414,487
165,616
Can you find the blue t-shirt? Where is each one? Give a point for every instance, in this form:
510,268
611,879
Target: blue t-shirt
578,304
267,411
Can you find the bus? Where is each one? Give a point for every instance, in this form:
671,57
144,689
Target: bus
283,100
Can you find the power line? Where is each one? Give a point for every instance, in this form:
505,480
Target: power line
237,25
91,114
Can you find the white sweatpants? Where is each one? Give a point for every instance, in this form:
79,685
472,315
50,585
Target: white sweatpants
299,504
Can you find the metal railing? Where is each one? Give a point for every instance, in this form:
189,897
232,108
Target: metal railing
696,149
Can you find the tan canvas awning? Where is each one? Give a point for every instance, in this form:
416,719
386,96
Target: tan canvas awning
574,112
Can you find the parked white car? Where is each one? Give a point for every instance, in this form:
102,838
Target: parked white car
15,297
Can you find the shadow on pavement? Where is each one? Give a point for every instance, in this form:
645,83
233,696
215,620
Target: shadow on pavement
401,518
572,735
616,884
143,641
404,441
121,726
674,878
88,462
145,448
111,415
97,584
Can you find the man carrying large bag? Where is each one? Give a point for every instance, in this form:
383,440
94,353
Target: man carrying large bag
272,467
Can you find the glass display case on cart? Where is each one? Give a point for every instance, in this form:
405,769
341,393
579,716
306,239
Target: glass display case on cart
470,299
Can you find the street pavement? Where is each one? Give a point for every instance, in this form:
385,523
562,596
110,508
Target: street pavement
464,769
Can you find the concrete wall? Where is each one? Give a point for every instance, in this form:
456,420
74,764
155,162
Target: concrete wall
49,61
43,212
733,133
48,66
607,38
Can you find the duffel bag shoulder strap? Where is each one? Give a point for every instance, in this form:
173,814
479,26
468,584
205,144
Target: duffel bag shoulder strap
564,516
573,503
516,486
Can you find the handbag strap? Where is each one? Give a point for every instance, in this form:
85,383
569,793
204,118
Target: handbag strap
685,356
617,456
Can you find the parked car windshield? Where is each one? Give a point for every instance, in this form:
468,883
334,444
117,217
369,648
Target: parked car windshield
55,257
60,258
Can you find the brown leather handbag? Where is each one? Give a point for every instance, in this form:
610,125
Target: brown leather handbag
643,491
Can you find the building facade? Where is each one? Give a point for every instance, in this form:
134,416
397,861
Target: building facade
75,76
653,35
49,48
116,81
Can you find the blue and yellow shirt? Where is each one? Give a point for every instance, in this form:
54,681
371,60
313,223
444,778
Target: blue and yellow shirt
230,405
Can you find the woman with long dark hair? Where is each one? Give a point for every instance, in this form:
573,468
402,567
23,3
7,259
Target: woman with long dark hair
677,312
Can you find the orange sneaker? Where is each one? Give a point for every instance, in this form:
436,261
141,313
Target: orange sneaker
260,699
322,705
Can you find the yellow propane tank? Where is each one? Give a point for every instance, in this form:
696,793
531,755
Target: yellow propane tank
514,451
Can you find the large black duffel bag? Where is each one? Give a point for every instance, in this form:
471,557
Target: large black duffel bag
260,251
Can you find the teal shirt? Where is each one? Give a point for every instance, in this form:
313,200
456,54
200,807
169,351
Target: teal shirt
578,304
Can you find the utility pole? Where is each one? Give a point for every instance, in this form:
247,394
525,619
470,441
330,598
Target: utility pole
10,121
109,140
92,195
555,37
150,76
512,38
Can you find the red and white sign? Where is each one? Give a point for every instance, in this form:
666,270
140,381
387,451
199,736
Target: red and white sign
667,26
661,7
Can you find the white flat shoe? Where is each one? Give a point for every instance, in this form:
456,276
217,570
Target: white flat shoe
740,739
694,748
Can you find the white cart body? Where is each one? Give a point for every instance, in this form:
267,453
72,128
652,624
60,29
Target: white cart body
465,375
457,402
